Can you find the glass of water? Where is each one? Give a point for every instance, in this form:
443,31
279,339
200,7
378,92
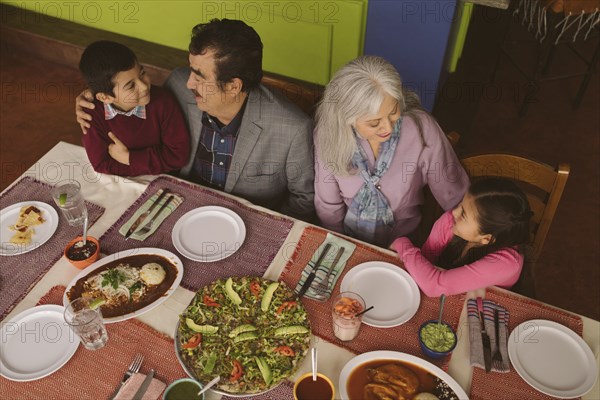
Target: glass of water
67,196
86,322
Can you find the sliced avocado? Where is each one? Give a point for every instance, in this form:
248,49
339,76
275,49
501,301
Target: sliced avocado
268,296
97,303
264,370
241,329
232,294
242,337
205,329
290,330
210,363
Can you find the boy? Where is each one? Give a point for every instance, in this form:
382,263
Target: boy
130,134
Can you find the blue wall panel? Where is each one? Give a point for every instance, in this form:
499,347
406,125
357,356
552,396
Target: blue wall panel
412,35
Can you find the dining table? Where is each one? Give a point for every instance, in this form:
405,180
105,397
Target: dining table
277,248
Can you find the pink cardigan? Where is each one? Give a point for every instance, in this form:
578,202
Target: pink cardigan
501,268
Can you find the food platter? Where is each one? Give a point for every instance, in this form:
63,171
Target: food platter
552,359
36,343
445,386
390,289
235,327
208,234
43,232
150,295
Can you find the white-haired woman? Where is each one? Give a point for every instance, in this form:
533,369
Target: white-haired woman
376,149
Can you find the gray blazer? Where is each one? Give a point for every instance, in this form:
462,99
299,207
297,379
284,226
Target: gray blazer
272,163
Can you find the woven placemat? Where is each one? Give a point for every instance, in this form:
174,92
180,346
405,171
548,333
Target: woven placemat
265,234
96,374
511,386
19,273
402,338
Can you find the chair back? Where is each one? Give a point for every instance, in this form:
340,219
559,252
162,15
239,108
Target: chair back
542,184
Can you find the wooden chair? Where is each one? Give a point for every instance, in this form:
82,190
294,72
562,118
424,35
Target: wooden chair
543,186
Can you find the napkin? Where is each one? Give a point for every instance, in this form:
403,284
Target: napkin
336,243
177,200
475,333
132,385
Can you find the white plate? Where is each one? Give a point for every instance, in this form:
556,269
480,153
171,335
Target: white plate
43,232
36,343
126,253
397,356
209,234
552,359
387,287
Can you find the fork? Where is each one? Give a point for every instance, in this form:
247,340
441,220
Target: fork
323,285
133,368
497,357
148,227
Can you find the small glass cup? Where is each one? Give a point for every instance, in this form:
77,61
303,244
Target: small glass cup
67,196
346,324
86,322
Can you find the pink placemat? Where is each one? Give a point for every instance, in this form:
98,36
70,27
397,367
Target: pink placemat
19,273
96,374
403,338
511,386
265,233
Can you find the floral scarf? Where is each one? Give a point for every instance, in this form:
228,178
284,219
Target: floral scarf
369,217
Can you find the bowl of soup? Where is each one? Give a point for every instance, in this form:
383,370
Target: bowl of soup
183,389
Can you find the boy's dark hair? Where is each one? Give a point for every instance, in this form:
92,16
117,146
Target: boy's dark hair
238,50
101,61
504,213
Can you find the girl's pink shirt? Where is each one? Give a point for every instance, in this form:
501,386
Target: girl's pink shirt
501,268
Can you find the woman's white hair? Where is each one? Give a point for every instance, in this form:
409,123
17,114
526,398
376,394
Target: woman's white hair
357,90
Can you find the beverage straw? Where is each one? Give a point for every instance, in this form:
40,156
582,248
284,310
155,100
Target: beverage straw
209,385
363,311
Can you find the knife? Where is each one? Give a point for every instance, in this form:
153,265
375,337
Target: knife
145,384
333,265
312,274
145,214
485,339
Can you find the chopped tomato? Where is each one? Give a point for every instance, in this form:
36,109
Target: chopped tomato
285,351
255,288
236,372
286,305
193,342
209,301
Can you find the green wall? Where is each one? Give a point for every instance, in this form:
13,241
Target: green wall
303,39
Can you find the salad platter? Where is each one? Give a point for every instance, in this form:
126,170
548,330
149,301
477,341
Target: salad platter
252,332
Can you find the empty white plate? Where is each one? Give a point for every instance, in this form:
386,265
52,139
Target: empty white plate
387,287
552,359
209,234
36,343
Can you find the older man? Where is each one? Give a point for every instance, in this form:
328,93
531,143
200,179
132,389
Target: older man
246,140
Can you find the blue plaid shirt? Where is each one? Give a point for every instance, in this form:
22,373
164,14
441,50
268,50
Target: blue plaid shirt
215,150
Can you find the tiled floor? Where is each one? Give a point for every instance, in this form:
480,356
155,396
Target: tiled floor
37,111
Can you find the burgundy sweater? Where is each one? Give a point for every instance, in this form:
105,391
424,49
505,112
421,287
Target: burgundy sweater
160,143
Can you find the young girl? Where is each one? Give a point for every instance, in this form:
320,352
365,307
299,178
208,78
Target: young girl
478,244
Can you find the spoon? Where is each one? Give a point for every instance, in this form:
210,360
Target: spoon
442,301
85,226
209,385
314,363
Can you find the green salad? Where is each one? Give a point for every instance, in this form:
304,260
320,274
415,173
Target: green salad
250,331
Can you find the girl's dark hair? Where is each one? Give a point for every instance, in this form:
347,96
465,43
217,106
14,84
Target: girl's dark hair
238,50
101,61
504,213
